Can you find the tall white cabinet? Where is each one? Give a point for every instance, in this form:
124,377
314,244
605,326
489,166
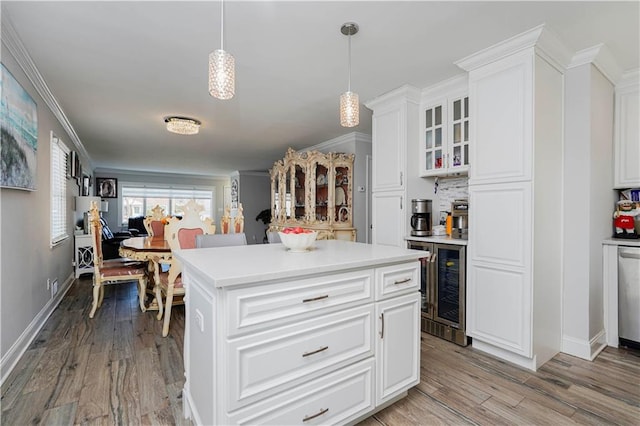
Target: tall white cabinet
395,121
627,133
514,264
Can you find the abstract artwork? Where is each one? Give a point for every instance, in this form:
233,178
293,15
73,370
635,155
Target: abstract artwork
19,139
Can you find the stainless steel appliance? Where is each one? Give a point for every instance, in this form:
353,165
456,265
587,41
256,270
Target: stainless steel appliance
443,289
460,219
629,296
420,217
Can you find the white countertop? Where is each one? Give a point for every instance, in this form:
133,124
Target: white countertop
439,239
236,265
621,242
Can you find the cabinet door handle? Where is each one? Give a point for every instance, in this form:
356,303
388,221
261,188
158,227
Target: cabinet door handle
324,348
401,178
400,203
406,280
313,299
382,328
313,416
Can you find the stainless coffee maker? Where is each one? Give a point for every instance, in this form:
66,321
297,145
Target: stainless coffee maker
420,218
460,217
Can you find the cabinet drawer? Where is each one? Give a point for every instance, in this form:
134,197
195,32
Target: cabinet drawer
254,309
397,279
268,363
336,398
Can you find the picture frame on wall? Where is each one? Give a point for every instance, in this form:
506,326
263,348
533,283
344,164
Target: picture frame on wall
107,187
86,184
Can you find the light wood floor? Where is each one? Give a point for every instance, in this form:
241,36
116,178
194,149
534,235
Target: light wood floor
117,369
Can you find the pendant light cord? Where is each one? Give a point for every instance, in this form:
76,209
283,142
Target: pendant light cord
349,85
222,25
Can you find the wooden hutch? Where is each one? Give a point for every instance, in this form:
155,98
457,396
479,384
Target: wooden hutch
313,190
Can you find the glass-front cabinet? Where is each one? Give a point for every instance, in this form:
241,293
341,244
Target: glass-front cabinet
444,123
314,191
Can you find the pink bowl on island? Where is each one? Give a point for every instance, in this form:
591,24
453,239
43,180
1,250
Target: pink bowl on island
298,240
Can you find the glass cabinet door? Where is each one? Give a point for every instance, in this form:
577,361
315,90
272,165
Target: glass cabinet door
433,138
298,191
322,191
459,152
342,207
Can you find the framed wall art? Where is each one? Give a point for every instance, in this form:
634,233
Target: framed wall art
86,185
107,187
19,139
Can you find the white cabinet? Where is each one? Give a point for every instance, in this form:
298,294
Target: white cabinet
399,327
394,122
323,345
514,266
444,128
84,254
627,134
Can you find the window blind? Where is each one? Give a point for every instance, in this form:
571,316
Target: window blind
147,192
59,152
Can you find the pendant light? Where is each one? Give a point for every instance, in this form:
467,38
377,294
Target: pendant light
349,103
222,72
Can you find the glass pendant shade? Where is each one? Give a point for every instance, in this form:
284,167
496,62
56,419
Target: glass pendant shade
349,109
182,125
222,75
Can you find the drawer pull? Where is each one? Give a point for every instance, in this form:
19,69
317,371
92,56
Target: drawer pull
324,348
313,299
319,413
406,280
382,325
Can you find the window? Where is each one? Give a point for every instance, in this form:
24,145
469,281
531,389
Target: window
59,152
139,200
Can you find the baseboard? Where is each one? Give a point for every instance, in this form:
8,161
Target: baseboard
585,349
13,355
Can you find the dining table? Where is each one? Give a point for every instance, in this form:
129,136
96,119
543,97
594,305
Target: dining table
145,249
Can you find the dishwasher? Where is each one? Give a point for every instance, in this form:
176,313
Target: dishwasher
629,296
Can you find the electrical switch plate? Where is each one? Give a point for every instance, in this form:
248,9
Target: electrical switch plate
199,320
361,189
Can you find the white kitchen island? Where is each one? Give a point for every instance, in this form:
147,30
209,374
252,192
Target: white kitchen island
324,337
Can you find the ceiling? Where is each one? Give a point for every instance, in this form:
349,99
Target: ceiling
118,68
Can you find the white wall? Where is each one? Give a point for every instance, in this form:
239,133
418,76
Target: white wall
589,202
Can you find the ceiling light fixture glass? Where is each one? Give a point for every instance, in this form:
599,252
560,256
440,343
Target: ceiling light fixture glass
349,102
182,125
222,68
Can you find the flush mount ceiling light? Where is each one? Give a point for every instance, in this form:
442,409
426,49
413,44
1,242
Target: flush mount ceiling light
183,125
349,103
222,68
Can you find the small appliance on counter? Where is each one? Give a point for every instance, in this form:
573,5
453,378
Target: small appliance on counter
460,219
420,218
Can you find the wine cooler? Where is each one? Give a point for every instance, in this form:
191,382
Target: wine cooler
443,277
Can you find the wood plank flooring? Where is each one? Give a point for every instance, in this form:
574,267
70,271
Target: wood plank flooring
118,369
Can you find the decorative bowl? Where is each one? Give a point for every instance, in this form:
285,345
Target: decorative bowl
298,242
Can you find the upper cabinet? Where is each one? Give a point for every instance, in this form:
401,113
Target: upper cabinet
444,124
627,133
314,190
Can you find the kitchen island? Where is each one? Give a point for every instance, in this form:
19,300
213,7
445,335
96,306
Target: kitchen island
324,337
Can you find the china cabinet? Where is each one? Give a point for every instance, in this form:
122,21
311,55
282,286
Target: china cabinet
313,190
627,133
444,123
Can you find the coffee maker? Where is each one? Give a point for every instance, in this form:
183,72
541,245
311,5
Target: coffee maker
460,219
420,218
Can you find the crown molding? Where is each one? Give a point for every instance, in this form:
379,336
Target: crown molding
459,82
337,141
600,56
401,94
545,42
629,80
12,41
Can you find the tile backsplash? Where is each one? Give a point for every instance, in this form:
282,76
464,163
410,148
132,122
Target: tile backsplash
450,189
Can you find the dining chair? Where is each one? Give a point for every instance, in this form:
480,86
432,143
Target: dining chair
112,270
180,234
221,240
154,224
225,220
238,220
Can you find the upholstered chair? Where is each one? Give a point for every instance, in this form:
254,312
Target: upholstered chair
154,224
180,234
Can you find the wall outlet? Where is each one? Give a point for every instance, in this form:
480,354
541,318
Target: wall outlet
54,287
48,284
199,320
